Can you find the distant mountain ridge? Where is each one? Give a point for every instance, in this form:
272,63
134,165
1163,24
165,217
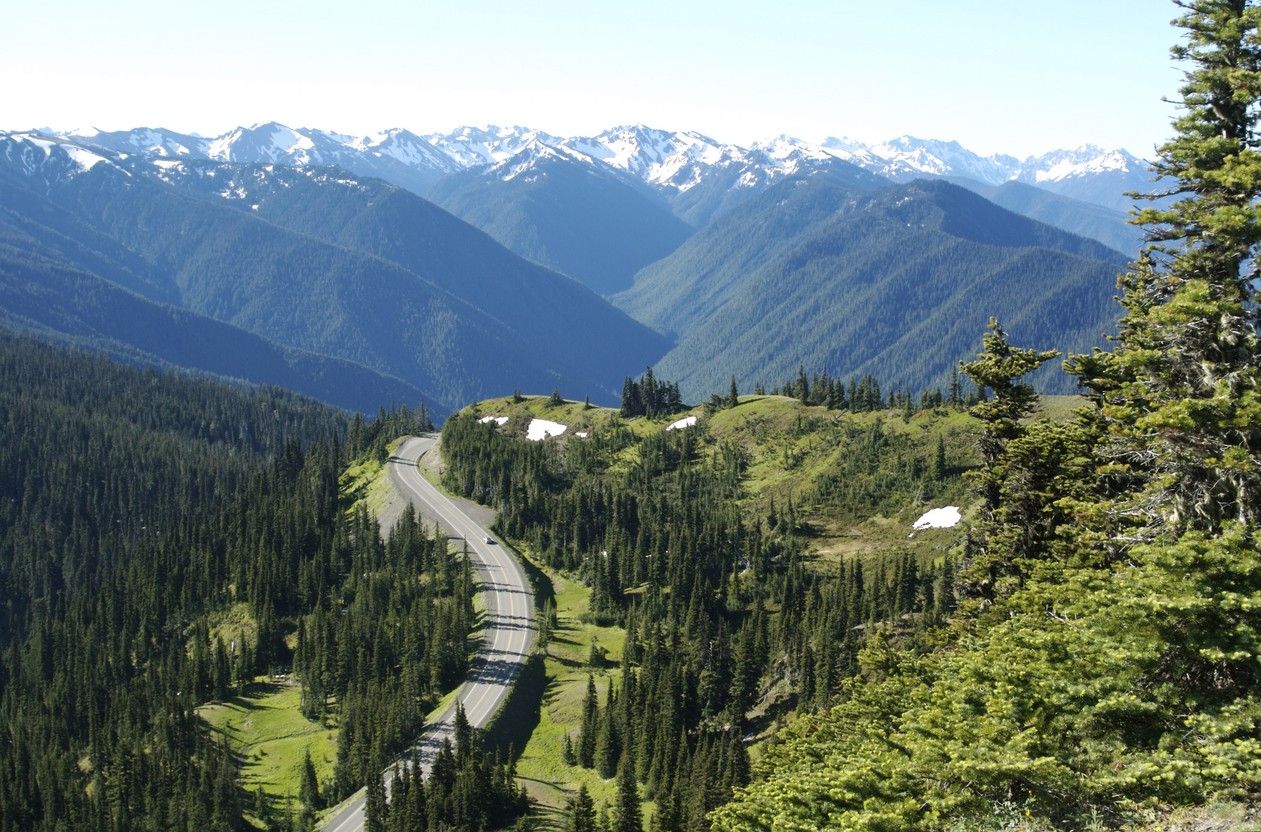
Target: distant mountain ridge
599,208
666,160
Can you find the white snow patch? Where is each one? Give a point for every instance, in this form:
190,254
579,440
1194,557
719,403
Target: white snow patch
1081,162
42,144
542,429
498,420
85,159
946,517
583,434
167,164
685,422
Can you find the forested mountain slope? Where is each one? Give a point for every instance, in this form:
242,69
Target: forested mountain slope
895,284
1097,222
581,218
320,261
112,480
164,542
46,288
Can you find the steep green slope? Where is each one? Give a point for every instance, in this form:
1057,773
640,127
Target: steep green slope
114,486
164,542
47,296
1086,219
502,309
569,215
896,284
320,261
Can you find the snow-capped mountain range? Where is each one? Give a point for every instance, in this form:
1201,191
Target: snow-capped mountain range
671,162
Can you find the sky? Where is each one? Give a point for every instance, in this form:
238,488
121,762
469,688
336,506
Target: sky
1012,76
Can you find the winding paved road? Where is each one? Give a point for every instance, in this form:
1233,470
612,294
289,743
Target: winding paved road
509,631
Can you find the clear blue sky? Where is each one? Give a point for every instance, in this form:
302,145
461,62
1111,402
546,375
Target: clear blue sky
1019,76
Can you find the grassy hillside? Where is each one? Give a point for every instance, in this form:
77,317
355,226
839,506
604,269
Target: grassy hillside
567,663
792,454
265,728
790,457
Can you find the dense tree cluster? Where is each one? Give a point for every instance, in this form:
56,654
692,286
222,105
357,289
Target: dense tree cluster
136,508
467,790
379,652
863,394
646,396
117,534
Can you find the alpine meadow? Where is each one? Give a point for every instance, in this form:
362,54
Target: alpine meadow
460,477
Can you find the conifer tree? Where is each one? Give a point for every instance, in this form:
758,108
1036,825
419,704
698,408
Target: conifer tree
1181,392
308,786
629,816
938,470
1179,397
463,733
999,368
606,742
581,812
589,726
375,806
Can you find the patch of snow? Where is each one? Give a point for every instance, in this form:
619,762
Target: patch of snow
43,144
1082,161
474,146
946,517
542,429
685,422
583,434
167,164
498,420
671,160
85,159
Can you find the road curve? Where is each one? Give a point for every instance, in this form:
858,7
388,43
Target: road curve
509,631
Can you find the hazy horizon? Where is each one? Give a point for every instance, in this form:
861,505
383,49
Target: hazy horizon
995,78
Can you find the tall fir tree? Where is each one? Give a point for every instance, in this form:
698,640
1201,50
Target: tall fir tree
629,816
582,816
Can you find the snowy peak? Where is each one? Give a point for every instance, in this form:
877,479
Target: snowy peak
784,147
471,147
534,157
1086,160
270,142
51,158
910,155
636,149
405,148
148,141
670,162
